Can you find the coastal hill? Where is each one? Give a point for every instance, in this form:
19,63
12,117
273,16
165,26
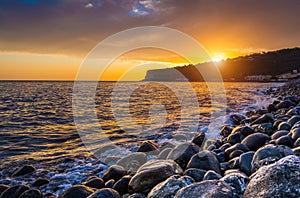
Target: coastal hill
266,66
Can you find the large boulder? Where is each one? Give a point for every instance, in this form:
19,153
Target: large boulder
207,189
152,173
281,179
169,187
205,160
182,153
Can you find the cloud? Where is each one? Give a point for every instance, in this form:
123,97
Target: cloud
67,27
89,5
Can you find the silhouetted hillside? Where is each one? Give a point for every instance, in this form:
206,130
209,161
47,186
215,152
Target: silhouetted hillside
267,63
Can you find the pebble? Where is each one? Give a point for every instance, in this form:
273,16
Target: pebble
14,191
208,188
245,161
114,172
211,175
122,185
255,141
170,187
238,183
77,191
199,139
105,193
205,160
94,183
152,173
195,173
182,153
23,171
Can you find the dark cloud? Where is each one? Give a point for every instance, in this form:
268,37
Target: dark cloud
75,26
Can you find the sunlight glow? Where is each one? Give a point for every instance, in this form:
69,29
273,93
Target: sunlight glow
218,56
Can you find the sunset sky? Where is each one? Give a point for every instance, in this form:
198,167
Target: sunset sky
48,39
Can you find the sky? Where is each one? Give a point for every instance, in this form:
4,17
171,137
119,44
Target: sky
49,39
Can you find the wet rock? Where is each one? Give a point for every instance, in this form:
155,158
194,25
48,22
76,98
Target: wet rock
170,187
32,193
281,179
235,138
269,154
284,126
266,118
211,175
3,187
205,160
266,128
137,195
285,140
236,118
238,183
235,154
225,146
297,142
40,182
182,153
23,171
255,141
285,104
233,163
295,133
195,173
180,137
111,160
235,147
278,134
110,183
293,120
97,183
199,139
122,185
226,130
132,162
114,172
164,153
296,151
77,191
244,130
271,108
221,157
207,189
14,192
166,145
152,173
105,193
148,146
245,162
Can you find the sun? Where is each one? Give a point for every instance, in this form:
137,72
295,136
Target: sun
218,56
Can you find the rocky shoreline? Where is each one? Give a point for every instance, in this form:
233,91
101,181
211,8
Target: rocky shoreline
256,156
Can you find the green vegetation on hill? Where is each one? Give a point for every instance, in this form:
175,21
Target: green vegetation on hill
266,63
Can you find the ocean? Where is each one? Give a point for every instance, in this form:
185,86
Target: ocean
38,125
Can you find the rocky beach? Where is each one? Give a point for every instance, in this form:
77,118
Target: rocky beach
255,155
